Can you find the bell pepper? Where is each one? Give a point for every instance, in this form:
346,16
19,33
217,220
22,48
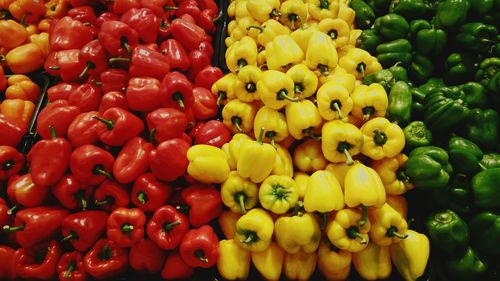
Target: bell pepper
382,139
392,174
16,32
482,185
12,130
105,260
448,232
428,167
421,67
147,62
71,194
25,58
112,99
36,225
283,52
38,262
176,91
303,119
450,13
238,194
95,57
276,95
7,271
205,104
227,222
83,229
338,30
166,124
322,9
321,53
22,87
87,97
410,256
118,126
262,11
359,63
482,128
340,141
169,160
213,133
144,22
256,151
274,123
283,166
224,88
197,60
11,162
110,195
68,33
114,80
441,103
232,149
121,6
125,227
468,266
143,93
91,164
365,15
379,255
254,230
393,52
242,53
278,194
148,193
411,9
308,157
474,94
117,37
269,262
188,34
400,100
177,57
70,266
383,77
166,227
234,261
464,155
486,72
246,85
18,109
202,167
305,81
26,11
176,268
387,225
239,116
428,40
83,13
199,247
333,263
298,233
484,232
334,101
459,66
490,161
204,203
392,26
58,115
132,161
293,14
345,233
146,257
339,170
398,203
21,190
323,184
417,134
207,77
300,266
368,40
83,129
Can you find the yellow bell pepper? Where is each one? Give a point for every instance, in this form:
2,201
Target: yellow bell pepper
268,31
241,10
18,109
245,24
398,203
42,40
56,9
283,166
207,163
345,233
341,78
4,5
246,84
354,35
410,256
300,266
303,119
269,263
233,148
278,194
262,10
256,152
227,222
334,101
261,60
388,226
224,88
359,63
254,230
238,194
321,53
322,9
234,261
25,58
22,87
244,52
339,170
293,13
283,52
382,138
239,116
340,141
302,35
392,174
333,263
276,89
337,29
301,179
299,232
308,157
44,25
323,193
12,34
373,262
346,14
231,9
369,101
304,80
273,122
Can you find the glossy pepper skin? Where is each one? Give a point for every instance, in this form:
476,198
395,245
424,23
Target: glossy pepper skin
71,193
234,261
403,254
365,14
169,160
27,266
417,134
146,257
308,157
19,109
7,271
125,227
464,155
333,263
239,116
117,126
207,164
200,247
451,12
380,255
83,229
59,115
382,139
428,167
448,232
69,34
323,184
254,230
269,262
334,101
393,52
468,266
276,89
147,62
387,225
176,55
12,130
344,232
321,53
278,193
166,123
167,227
482,186
11,162
257,151
213,133
299,232
239,194
117,37
429,40
369,101
105,260
21,190
148,193
110,195
363,186
188,34
391,172
96,58
490,160
442,103
341,141
400,102
204,203
132,161
17,58
482,128
176,91
70,266
144,22
176,268
484,227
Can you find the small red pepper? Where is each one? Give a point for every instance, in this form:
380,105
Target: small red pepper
38,262
83,229
146,257
205,104
113,99
169,160
12,130
121,6
51,66
143,94
11,162
187,17
118,126
21,190
35,225
106,16
146,62
125,227
87,97
145,22
204,203
111,195
95,58
214,133
69,64
189,7
83,129
68,33
70,267
175,268
167,227
176,55
197,60
84,14
105,260
7,269
59,115
114,80
208,76
117,37
148,193
200,247
207,20
165,124
61,91
164,32
91,164
176,91
71,193
187,33
132,161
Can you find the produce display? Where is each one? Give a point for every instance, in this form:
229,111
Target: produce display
249,139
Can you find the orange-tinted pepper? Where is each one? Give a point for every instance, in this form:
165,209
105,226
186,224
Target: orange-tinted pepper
56,9
25,58
21,87
42,40
44,25
27,11
31,29
4,5
12,34
18,109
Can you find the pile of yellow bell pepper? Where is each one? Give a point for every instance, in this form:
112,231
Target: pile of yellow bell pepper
315,178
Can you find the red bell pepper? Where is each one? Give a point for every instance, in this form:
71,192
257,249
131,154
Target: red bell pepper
132,161
161,8
87,97
208,76
118,126
11,162
145,22
146,62
5,216
68,33
117,37
125,227
214,133
204,203
200,247
187,17
208,4
164,32
38,262
61,91
7,268
165,124
114,80
169,160
176,91
187,138
12,130
205,104
106,16
207,19
95,58
105,260
72,194
176,55
189,7
121,6
194,131
113,99
198,60
148,193
146,257
187,33
143,94
111,195
175,268
91,164
167,227
21,190
59,115
35,225
70,267
83,129
207,48
84,14
51,66
69,64
83,229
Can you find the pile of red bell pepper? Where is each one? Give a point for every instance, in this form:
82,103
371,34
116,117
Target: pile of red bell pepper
105,190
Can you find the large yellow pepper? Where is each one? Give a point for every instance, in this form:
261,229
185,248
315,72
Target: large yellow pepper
300,266
239,116
269,263
321,53
207,163
283,52
283,166
340,141
322,9
227,222
334,101
42,40
273,122
302,35
346,14
337,29
233,148
301,179
293,13
299,232
323,193
373,262
254,230
382,138
22,87
262,10
305,80
392,174
369,101
345,233
256,152
18,109
12,34
234,261
359,63
245,24
25,58
276,89
269,30
224,88
278,194
333,263
341,78
238,194
245,87
241,53
388,226
410,256
303,119
231,9
339,170
398,203
308,157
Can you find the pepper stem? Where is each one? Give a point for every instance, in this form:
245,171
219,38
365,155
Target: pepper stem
379,138
275,13
348,157
333,34
10,229
237,123
353,233
113,60
324,220
336,105
178,97
106,253
108,200
402,176
23,20
298,88
221,96
283,95
250,237
361,69
71,235
201,255
364,216
240,198
71,268
7,165
4,14
170,226
323,69
86,69
393,232
152,136
261,135
80,195
309,132
168,8
127,228
261,29
443,218
11,210
54,67
110,124
250,87
125,44
142,197
368,112
53,133
99,170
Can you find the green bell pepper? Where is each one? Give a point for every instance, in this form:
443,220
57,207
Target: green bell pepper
382,5
365,15
383,77
410,9
400,101
488,68
485,233
399,73
482,128
476,36
445,109
393,52
455,196
464,155
484,187
418,95
490,161
368,40
417,25
428,167
448,232
450,13
421,68
430,41
459,67
466,267
417,134
481,7
392,26
474,94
